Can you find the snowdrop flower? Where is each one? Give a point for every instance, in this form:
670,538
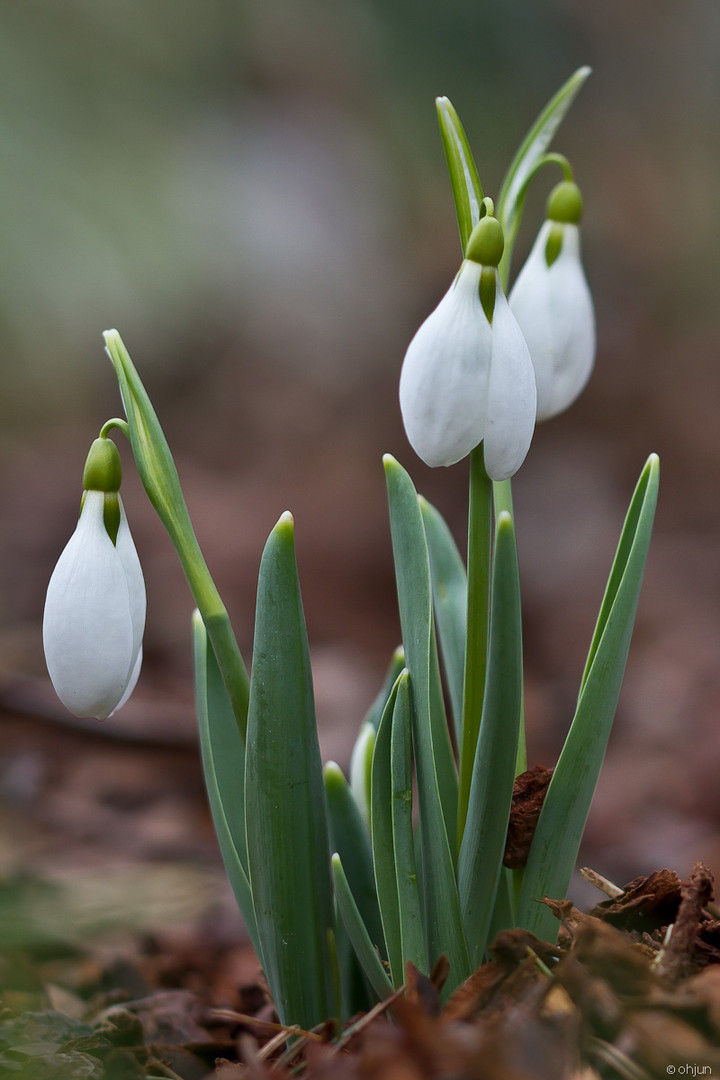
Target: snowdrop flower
467,376
552,303
95,606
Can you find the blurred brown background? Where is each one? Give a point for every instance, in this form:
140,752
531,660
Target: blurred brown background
254,193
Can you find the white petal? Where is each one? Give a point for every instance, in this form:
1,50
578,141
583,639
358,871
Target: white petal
134,676
87,625
554,308
136,592
445,375
511,396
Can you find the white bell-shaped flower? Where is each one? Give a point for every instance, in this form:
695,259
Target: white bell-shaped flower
552,303
95,612
467,376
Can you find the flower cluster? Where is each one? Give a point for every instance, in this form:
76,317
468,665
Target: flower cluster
482,369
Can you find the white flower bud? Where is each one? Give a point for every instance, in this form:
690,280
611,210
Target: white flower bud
95,615
466,379
553,305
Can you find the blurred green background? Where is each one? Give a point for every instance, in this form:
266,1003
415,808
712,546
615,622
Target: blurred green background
254,193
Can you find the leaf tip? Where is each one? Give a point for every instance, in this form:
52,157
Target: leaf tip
285,523
333,775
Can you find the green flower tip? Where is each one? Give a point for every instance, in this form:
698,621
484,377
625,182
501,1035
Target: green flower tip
486,243
103,468
335,860
399,654
565,204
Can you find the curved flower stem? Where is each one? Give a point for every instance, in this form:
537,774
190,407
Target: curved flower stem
116,422
478,614
161,482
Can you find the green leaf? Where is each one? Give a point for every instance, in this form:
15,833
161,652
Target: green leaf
161,482
287,833
223,759
361,770
483,843
376,710
449,587
350,839
562,820
532,148
466,188
443,925
411,927
356,931
383,842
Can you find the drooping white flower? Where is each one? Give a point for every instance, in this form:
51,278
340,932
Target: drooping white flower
552,303
95,614
467,377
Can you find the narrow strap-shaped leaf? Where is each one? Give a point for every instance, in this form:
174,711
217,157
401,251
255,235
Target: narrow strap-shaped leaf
361,769
357,932
466,188
449,586
383,845
483,843
532,148
376,710
443,926
287,834
350,838
567,803
411,927
503,915
441,741
223,759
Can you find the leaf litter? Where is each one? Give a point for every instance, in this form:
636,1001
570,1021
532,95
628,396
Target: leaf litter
631,991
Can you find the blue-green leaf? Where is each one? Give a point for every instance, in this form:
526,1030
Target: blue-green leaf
350,839
564,813
361,770
287,833
376,710
357,932
411,927
443,925
449,586
383,844
483,843
466,188
223,759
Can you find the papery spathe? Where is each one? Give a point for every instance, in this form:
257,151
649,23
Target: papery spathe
95,615
554,308
467,380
